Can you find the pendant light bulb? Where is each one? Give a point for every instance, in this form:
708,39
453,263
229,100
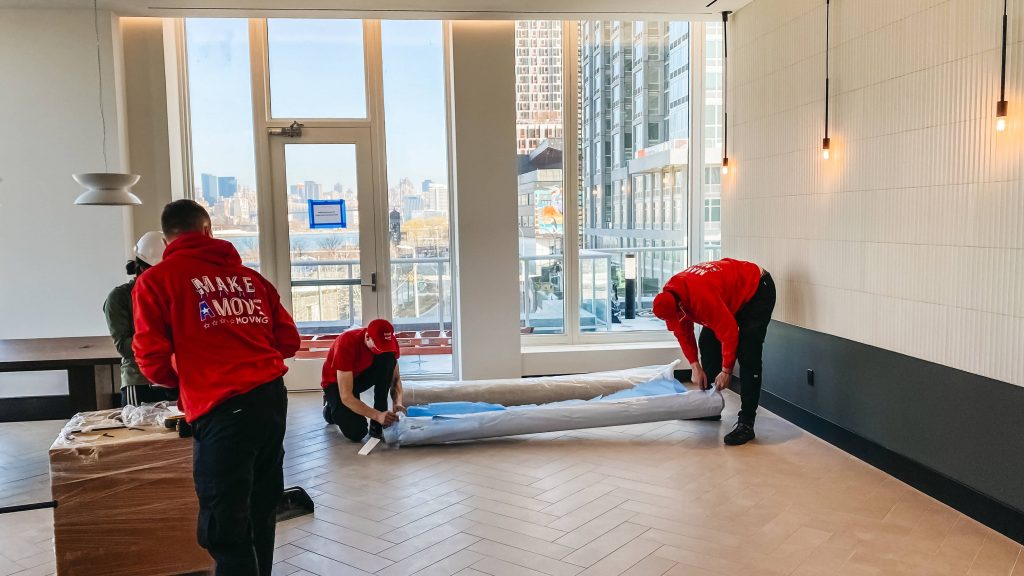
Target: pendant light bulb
825,146
1001,116
725,165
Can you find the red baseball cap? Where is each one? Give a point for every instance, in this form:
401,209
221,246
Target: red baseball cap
666,307
383,335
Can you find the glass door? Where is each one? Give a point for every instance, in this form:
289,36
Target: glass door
325,246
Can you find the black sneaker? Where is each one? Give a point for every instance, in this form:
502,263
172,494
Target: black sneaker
376,430
327,414
741,434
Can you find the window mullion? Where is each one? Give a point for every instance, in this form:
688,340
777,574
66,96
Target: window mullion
571,178
695,252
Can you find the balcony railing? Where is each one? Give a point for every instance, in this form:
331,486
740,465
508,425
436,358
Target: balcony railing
326,296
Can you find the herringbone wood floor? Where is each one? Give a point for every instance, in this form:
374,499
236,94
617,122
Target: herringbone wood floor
654,499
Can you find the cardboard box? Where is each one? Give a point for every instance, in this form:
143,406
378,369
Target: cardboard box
126,504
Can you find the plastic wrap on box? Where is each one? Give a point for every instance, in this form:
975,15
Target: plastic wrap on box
126,504
539,390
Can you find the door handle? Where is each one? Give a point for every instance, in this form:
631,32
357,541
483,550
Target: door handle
373,282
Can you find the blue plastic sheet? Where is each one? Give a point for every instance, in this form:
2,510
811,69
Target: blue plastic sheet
453,408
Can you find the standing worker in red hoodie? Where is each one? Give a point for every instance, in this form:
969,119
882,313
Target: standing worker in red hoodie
733,301
217,331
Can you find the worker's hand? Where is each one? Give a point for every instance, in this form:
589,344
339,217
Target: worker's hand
723,380
386,419
698,377
399,408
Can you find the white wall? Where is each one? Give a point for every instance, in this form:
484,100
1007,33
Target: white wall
145,91
57,261
912,237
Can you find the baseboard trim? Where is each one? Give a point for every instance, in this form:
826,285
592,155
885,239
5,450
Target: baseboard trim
993,513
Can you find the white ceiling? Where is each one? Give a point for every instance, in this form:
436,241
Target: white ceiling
396,9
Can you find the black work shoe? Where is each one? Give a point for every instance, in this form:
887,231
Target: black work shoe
327,414
376,430
741,434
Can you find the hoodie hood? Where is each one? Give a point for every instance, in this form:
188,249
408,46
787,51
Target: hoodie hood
201,247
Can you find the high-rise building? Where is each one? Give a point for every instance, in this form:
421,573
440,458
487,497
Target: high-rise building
227,186
211,192
538,83
312,190
412,204
435,196
635,136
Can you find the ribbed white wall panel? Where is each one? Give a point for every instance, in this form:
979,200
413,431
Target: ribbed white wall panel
911,237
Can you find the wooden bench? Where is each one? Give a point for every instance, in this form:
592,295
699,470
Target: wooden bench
92,364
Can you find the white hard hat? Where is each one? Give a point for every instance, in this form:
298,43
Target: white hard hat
150,248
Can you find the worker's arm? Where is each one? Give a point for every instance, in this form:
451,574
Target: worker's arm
396,392
688,342
154,350
352,402
118,311
286,335
723,324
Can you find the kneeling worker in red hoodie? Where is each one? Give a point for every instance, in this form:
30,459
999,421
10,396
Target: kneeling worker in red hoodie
361,359
217,331
733,302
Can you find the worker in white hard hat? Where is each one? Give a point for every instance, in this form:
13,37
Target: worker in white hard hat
135,388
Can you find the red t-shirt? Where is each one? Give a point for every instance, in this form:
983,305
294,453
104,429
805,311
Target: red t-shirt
348,354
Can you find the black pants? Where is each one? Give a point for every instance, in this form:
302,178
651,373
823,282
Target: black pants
753,319
378,376
136,395
237,467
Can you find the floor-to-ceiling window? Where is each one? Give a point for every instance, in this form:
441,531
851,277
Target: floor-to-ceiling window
418,199
539,148
357,188
621,161
635,121
223,157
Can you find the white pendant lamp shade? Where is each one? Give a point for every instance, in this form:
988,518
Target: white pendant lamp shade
107,189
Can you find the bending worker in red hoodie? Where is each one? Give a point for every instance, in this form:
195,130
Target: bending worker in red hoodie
217,331
361,359
733,301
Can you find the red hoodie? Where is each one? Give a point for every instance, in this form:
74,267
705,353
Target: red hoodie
208,325
711,294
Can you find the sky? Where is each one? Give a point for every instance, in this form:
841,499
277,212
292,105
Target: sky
312,67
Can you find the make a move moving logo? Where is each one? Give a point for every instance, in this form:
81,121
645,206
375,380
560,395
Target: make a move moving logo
228,300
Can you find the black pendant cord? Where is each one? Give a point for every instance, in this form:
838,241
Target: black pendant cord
725,85
828,5
1002,73
99,72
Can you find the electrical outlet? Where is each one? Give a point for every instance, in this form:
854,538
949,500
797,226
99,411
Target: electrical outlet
810,377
